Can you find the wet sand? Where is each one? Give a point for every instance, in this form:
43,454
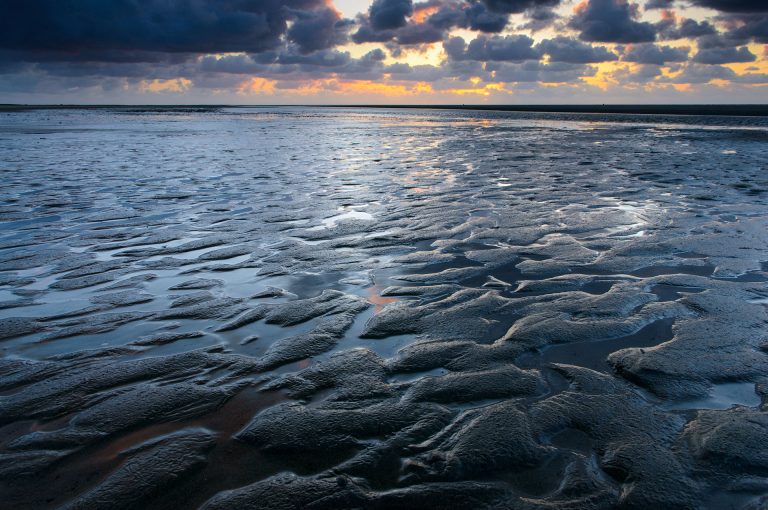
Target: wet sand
383,308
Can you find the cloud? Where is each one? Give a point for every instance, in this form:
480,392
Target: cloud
752,78
734,5
564,49
539,18
642,74
728,55
422,33
296,65
749,27
518,6
659,4
437,18
670,28
479,18
98,29
697,74
533,71
190,48
461,14
611,21
496,48
389,14
318,29
654,54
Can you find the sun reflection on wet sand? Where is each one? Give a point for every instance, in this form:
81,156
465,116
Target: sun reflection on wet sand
375,298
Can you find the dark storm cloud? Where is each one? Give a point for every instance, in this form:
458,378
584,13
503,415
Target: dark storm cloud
669,29
724,55
137,70
510,48
659,4
611,21
447,15
80,44
518,6
734,5
112,56
747,21
318,29
389,14
366,34
422,33
462,14
324,58
231,64
97,28
565,49
748,27
539,18
721,41
410,34
478,17
294,65
653,54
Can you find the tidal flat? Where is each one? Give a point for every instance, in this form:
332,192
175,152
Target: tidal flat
345,308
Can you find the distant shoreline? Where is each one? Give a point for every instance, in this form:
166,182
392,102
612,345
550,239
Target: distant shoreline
703,110
736,110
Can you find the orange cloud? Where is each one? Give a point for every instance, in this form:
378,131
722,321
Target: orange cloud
256,86
329,4
670,15
420,14
485,91
603,77
177,85
352,87
364,88
384,89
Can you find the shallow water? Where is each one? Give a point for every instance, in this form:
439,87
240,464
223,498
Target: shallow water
167,275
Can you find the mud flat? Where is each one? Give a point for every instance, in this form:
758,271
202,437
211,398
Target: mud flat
382,308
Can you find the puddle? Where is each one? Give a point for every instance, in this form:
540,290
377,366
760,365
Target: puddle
646,272
594,355
666,292
349,215
722,396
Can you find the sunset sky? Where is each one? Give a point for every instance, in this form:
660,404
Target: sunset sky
384,51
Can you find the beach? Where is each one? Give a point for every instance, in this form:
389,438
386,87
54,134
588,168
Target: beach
234,307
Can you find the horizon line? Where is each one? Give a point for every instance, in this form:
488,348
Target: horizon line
699,109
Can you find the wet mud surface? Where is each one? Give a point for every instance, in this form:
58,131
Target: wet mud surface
328,309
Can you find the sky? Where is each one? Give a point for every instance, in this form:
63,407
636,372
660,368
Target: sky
383,51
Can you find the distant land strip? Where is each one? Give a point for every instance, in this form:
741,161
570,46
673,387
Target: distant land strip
738,110
629,109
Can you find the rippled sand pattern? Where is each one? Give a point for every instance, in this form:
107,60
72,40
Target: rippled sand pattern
331,309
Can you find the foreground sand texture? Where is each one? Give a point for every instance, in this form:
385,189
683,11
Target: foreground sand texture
337,309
